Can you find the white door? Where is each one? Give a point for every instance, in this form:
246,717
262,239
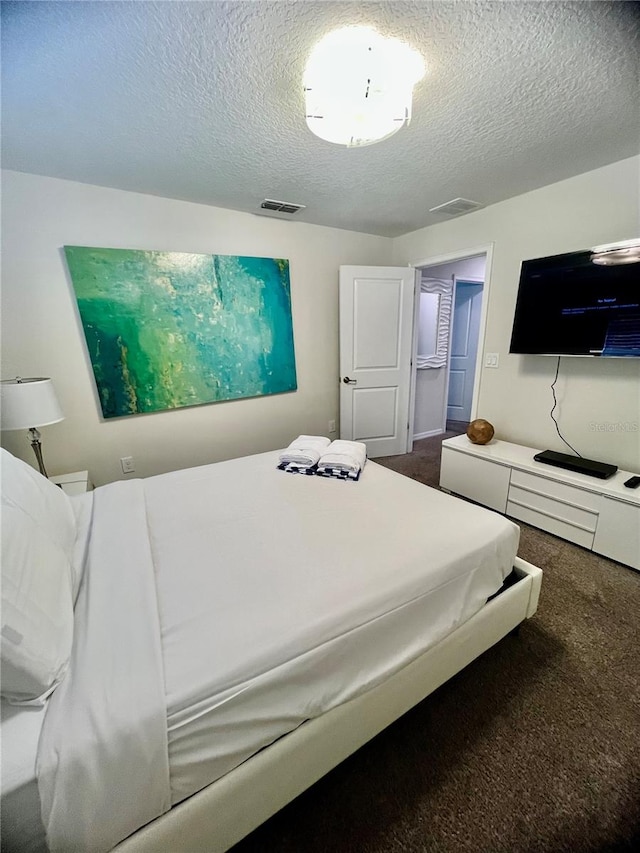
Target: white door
464,347
376,328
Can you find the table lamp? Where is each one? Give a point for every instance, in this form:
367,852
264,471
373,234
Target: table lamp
28,404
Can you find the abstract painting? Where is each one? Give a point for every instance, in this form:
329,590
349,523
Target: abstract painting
170,329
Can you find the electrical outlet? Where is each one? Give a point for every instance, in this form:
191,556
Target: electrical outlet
128,465
491,359
332,426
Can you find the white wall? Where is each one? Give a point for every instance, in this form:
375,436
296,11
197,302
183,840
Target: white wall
42,334
599,399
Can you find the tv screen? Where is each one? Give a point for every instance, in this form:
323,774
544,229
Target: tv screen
567,305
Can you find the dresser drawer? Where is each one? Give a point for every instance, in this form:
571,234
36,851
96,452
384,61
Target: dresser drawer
478,479
552,524
578,516
561,492
563,510
618,534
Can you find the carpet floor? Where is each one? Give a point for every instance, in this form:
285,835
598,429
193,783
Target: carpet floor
533,748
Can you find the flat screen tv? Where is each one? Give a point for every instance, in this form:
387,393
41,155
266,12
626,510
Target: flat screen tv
568,305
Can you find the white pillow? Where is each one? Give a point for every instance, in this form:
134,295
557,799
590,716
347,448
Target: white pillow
38,538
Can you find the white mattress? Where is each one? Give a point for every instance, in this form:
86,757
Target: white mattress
277,599
287,600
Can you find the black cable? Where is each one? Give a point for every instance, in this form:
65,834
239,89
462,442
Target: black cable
555,403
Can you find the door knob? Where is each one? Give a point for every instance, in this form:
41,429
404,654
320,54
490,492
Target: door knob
348,381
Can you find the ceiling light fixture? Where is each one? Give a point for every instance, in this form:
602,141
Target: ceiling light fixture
615,254
359,86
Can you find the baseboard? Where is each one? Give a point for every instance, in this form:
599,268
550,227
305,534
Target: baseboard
418,435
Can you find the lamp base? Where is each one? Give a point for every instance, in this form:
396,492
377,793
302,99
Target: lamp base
37,449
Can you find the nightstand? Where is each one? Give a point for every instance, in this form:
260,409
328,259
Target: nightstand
73,484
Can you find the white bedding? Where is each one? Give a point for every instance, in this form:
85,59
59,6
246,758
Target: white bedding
275,597
102,763
281,577
20,823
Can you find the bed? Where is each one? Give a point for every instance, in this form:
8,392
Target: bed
236,632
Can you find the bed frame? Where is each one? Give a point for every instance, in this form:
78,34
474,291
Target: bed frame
217,817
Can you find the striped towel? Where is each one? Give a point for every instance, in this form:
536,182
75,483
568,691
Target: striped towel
294,468
337,474
343,457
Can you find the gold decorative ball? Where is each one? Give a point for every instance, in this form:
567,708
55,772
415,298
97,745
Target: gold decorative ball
480,431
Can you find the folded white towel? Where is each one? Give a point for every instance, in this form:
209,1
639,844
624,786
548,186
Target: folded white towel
305,450
350,456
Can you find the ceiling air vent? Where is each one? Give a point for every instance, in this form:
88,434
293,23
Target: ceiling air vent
274,206
457,206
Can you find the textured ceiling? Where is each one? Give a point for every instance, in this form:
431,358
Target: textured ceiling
203,101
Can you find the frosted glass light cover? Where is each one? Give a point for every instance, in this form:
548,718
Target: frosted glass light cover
359,86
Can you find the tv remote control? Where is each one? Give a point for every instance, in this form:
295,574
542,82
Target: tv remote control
632,482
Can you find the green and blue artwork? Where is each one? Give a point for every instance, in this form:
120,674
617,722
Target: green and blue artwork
170,329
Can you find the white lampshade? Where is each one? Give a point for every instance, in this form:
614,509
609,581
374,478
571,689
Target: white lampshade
27,403
359,86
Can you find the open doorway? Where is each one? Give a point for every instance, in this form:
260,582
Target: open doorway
449,332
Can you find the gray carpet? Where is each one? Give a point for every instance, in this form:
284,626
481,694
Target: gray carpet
533,748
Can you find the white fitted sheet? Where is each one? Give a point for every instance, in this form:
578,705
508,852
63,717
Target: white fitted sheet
287,601
269,599
102,762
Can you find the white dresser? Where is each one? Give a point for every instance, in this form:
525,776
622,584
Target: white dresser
601,515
